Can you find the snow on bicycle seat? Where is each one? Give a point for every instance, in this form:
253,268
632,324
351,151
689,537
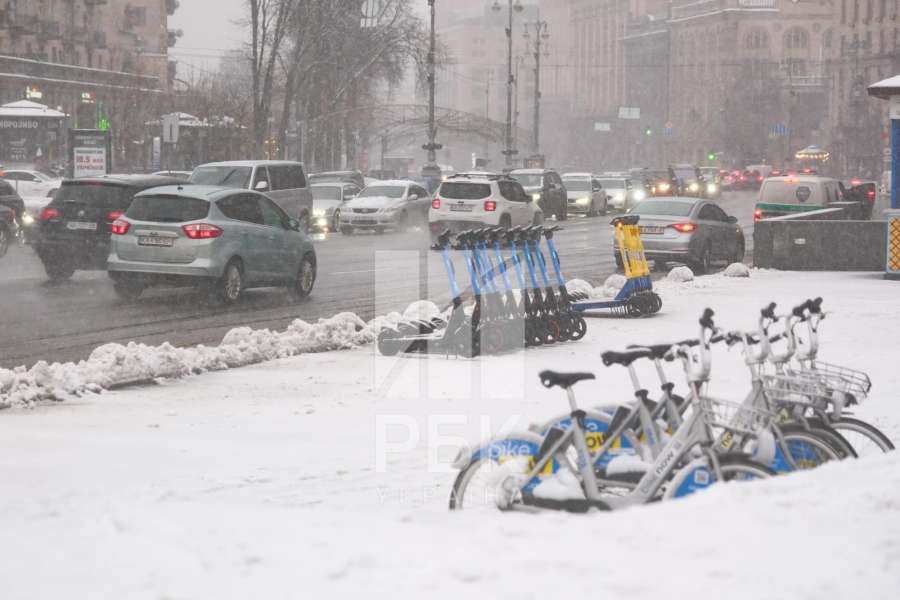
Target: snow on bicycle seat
563,380
624,358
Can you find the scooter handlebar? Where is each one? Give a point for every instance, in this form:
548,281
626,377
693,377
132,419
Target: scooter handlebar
769,312
706,320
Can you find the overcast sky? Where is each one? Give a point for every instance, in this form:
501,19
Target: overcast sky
209,30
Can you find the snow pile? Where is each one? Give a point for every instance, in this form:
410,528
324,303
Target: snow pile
680,275
112,365
611,286
737,270
579,286
421,310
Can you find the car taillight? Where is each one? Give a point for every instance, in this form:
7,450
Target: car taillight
684,227
202,231
490,206
114,214
870,194
757,215
760,178
48,213
436,203
119,227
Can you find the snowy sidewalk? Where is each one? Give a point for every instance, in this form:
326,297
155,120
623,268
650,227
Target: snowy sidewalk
325,475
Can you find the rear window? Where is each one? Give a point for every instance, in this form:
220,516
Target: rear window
685,173
528,179
167,209
326,192
95,194
579,184
226,176
779,191
383,191
611,184
464,190
662,207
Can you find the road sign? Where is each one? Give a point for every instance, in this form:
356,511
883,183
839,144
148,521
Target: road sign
629,112
599,126
170,128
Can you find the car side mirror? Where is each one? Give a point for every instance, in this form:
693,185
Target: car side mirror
261,186
732,219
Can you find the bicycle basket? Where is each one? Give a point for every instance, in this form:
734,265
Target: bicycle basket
734,416
798,388
842,379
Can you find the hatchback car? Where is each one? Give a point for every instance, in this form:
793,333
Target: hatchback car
223,240
328,200
395,204
690,231
72,231
585,194
469,200
546,188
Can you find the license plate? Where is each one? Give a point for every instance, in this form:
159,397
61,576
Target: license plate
81,225
652,229
461,208
149,240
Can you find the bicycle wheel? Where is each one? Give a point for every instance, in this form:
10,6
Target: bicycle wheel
483,483
805,449
698,474
838,442
865,439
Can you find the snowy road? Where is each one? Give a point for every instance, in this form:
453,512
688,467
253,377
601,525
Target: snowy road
365,274
270,481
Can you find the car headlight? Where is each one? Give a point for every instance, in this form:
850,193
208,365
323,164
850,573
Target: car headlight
318,212
27,219
536,196
663,187
712,188
640,195
620,197
582,201
322,222
694,186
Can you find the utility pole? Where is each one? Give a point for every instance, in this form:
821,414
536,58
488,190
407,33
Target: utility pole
541,34
519,61
509,152
431,169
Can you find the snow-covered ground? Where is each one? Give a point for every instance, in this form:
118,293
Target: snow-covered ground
326,475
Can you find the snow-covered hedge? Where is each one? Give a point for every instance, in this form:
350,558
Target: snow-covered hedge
112,365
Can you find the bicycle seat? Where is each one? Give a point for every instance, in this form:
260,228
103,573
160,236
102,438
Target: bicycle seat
656,350
625,358
563,380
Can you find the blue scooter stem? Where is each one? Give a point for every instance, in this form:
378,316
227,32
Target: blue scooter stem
554,256
499,254
517,263
541,263
470,267
451,271
530,262
487,274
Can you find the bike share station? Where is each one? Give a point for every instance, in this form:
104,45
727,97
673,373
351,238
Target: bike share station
889,89
530,311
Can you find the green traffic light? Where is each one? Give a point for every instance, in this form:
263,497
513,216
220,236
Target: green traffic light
711,156
648,131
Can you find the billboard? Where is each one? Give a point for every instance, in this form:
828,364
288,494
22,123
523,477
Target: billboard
90,153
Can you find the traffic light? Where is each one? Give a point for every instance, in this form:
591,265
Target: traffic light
711,156
103,124
648,131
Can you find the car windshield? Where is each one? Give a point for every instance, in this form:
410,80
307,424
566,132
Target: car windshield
383,191
94,194
224,175
464,190
613,184
577,184
167,209
662,207
326,192
529,179
685,173
654,175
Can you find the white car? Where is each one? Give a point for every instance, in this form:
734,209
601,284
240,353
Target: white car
29,182
471,200
395,204
328,200
585,194
623,193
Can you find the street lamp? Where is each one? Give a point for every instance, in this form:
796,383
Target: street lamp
541,35
431,169
517,7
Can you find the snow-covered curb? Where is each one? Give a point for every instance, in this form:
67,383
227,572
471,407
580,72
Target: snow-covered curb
116,365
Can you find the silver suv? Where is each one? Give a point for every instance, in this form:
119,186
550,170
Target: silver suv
224,239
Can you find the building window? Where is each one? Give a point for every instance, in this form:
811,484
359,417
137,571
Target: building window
796,38
826,39
756,39
855,12
882,9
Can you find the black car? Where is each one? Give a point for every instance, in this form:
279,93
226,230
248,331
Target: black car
546,187
660,182
73,231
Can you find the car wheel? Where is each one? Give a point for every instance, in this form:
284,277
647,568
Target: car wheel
739,251
128,289
4,240
302,286
336,220
347,230
704,263
59,270
230,286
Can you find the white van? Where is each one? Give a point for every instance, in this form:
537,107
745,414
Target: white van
796,193
283,181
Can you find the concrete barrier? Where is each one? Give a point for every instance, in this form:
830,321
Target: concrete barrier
819,241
